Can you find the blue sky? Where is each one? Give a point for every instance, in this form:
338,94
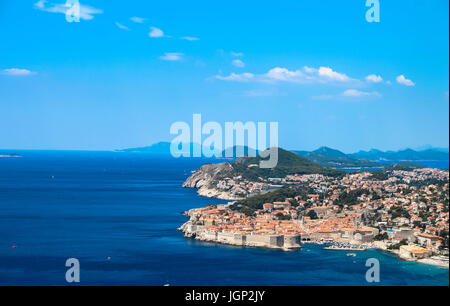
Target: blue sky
317,67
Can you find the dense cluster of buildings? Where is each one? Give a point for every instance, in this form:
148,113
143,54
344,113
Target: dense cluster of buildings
239,187
396,212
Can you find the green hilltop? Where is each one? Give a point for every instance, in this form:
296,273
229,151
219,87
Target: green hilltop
288,163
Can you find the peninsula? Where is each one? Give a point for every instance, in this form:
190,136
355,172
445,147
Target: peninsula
399,209
243,177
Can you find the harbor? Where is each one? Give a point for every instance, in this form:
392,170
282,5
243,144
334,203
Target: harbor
346,247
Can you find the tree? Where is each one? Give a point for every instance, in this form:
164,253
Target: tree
379,237
294,203
398,245
282,216
312,214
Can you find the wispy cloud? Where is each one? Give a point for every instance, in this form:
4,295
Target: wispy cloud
349,95
171,56
138,19
86,12
190,38
359,93
156,33
238,63
237,54
40,4
243,77
373,78
404,81
306,75
121,26
17,72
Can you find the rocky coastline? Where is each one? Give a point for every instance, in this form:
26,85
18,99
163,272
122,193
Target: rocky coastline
203,178
192,229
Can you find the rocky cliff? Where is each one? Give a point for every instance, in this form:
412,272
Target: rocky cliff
203,179
248,168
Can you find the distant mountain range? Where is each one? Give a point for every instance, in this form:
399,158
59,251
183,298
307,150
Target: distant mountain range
163,148
327,157
332,158
429,147
402,155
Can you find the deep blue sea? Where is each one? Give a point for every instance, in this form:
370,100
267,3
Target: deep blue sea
117,213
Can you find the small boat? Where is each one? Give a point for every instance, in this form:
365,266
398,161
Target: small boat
351,254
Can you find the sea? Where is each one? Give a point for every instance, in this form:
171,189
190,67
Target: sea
117,213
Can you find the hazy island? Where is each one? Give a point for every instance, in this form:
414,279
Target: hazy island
326,156
10,155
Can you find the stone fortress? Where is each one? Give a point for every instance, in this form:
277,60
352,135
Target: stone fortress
199,232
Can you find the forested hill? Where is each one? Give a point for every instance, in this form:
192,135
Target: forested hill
288,163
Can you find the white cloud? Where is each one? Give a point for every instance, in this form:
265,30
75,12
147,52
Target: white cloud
372,78
121,26
309,69
306,75
40,4
404,81
328,73
348,94
138,19
171,56
238,63
243,77
17,72
283,74
358,93
237,54
190,38
86,12
155,32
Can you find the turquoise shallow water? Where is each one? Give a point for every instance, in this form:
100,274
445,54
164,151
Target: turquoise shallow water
95,205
